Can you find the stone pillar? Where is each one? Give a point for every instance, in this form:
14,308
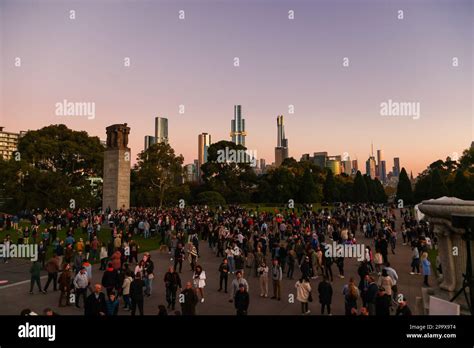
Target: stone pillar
116,187
439,212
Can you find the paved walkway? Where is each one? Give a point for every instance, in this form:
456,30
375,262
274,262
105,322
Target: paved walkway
14,296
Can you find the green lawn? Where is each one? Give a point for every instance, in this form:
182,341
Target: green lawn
104,236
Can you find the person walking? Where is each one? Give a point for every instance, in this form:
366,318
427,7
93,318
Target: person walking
199,280
65,280
223,275
415,260
325,295
303,294
263,279
242,300
148,273
35,271
190,300
52,267
172,284
277,276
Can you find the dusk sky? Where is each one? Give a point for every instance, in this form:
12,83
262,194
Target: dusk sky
282,62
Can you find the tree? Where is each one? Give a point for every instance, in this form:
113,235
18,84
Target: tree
329,188
461,187
437,188
404,190
211,198
360,189
380,195
307,188
158,169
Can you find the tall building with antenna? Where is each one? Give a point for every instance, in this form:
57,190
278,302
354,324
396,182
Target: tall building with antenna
281,150
237,127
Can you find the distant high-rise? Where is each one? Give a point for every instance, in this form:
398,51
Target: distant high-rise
190,174
370,167
281,150
319,159
8,143
355,166
383,171
204,141
237,127
262,164
149,140
161,130
379,164
334,164
396,167
347,164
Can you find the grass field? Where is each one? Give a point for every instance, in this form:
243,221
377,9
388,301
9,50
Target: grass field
104,236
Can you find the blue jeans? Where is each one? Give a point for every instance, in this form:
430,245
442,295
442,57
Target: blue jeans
231,262
148,285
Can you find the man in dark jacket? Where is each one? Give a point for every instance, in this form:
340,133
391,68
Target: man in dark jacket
95,303
136,294
325,295
188,306
110,279
242,300
371,296
172,284
382,303
52,267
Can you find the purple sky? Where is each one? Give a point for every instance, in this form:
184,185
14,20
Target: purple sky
282,62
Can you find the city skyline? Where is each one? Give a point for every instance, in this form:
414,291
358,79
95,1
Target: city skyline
189,76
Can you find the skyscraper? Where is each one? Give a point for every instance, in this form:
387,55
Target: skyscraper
396,167
379,164
237,127
281,150
161,130
383,171
204,141
355,166
149,140
319,159
347,164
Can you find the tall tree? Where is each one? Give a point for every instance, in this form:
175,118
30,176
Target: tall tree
158,169
404,190
461,187
360,189
329,188
437,188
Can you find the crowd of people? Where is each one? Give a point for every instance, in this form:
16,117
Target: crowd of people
269,246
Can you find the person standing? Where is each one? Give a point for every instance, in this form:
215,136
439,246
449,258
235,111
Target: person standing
112,305
172,284
383,301
277,276
81,283
415,260
426,268
127,281
239,279
303,294
148,270
136,294
223,275
242,300
52,267
351,294
263,279
95,304
325,295
65,280
190,300
199,280
402,309
35,272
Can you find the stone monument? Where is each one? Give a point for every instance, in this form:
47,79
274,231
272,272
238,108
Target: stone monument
116,187
452,250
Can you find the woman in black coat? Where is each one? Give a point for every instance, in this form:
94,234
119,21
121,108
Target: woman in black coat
325,295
